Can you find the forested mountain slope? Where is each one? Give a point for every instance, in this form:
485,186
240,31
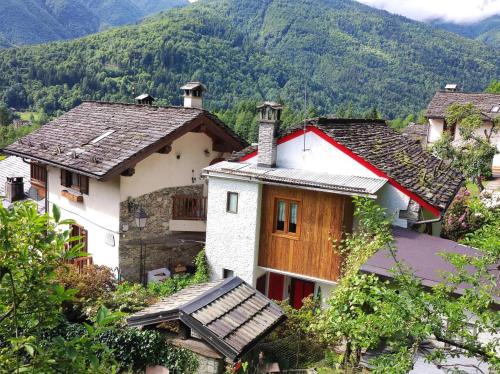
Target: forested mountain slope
341,50
487,30
38,21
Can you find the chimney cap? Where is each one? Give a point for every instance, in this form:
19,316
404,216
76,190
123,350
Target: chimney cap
194,86
270,104
451,87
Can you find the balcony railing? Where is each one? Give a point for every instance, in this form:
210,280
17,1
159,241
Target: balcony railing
81,262
187,207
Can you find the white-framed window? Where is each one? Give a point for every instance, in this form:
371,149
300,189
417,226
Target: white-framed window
232,202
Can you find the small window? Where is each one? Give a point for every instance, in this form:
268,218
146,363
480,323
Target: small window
81,233
287,217
38,173
232,202
226,273
75,181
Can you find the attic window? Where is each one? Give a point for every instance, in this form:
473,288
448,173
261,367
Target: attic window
495,109
101,137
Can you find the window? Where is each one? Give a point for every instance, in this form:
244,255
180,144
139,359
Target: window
75,181
226,273
232,202
287,213
495,109
38,173
79,231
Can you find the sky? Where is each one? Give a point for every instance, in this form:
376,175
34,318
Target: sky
457,11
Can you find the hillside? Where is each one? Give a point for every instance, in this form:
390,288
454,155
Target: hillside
487,30
255,49
39,21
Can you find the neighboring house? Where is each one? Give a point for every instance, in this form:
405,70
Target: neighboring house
487,103
275,212
15,183
219,321
106,165
417,132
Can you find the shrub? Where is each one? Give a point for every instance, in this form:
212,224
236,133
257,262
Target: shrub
93,282
465,215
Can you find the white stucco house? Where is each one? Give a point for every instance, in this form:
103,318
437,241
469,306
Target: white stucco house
276,207
487,103
104,164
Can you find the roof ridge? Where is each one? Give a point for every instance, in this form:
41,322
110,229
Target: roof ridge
468,93
141,105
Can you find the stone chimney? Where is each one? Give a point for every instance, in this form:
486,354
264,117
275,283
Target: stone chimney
193,95
451,88
270,117
14,189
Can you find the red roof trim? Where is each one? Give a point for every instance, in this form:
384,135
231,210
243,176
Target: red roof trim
435,211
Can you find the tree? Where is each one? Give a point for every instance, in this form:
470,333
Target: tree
367,313
494,87
32,247
5,115
473,154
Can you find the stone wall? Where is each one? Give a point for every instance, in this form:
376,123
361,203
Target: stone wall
162,248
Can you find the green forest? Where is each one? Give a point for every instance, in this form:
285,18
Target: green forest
337,53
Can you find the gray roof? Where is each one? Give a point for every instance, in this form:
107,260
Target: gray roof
14,167
442,100
229,315
343,184
421,253
193,85
102,139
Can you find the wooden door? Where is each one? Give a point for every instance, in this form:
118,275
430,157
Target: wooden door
300,289
276,286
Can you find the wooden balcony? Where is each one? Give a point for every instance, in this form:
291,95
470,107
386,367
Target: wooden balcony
190,208
81,262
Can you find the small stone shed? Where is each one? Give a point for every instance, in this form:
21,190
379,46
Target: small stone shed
219,321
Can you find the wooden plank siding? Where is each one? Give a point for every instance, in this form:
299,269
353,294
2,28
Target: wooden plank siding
322,217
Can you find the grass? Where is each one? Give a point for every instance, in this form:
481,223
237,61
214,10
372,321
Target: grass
26,116
2,157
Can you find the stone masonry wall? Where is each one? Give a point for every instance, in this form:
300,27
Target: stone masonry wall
162,247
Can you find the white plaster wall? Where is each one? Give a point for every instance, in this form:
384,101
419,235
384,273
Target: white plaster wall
232,239
394,201
435,129
160,171
99,214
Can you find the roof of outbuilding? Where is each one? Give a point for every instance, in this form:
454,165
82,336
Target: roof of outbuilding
342,184
442,100
14,167
229,314
99,139
393,154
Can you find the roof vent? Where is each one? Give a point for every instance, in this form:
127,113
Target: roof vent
193,94
145,99
451,88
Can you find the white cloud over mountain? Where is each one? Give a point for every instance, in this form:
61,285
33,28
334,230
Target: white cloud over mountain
458,11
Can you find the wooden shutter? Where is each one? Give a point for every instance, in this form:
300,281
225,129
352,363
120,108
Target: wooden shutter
84,184
65,178
84,239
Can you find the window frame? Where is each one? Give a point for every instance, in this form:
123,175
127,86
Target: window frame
286,232
82,185
80,231
228,201
38,173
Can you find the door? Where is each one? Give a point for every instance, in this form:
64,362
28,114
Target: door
276,286
300,289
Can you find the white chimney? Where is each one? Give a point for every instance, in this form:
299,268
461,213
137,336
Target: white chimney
193,95
451,88
270,118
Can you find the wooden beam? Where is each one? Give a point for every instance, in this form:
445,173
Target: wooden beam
165,150
128,172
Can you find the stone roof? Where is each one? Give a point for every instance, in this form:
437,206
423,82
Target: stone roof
395,155
483,101
229,315
100,139
342,184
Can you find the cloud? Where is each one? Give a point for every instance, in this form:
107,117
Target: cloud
457,11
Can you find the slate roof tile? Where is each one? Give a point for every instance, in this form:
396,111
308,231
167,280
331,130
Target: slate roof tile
442,100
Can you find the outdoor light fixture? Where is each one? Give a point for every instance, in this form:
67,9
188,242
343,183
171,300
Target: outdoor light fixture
141,218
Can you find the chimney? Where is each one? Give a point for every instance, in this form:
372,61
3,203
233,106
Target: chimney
270,117
193,95
451,88
14,189
145,99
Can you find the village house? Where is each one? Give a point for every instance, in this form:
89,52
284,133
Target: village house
487,103
129,176
276,207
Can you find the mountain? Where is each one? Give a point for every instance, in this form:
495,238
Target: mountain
487,30
340,51
39,21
